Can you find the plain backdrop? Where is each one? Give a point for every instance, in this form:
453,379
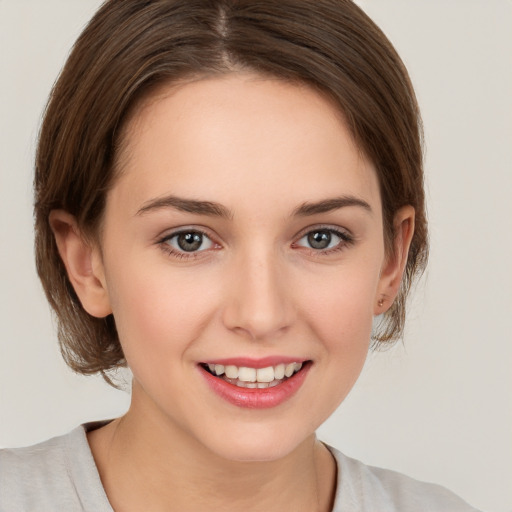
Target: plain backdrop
438,406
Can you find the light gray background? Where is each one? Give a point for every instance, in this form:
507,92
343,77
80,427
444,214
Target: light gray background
437,407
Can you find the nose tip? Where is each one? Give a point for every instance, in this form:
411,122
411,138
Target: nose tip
258,306
256,323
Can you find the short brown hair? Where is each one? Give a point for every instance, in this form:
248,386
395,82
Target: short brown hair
132,46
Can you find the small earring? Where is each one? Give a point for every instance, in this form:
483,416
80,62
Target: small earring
380,303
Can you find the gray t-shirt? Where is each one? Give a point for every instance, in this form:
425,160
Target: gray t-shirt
60,475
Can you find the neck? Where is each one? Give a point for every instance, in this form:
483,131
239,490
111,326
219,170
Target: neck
149,464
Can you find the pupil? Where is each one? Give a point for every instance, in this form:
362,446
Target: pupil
190,241
319,239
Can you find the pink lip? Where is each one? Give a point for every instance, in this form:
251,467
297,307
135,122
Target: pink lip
255,398
256,363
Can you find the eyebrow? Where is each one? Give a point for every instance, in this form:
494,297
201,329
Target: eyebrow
217,210
328,205
186,205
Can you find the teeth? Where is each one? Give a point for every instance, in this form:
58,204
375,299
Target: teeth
290,368
279,371
252,377
265,374
231,372
247,374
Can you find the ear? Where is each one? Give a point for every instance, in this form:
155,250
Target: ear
394,265
83,264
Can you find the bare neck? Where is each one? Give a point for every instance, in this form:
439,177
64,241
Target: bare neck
146,466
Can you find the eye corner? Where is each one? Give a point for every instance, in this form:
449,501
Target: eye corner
187,243
323,240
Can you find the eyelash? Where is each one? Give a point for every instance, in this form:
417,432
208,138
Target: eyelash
176,253
346,240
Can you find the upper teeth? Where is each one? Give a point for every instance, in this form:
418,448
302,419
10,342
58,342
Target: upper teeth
247,374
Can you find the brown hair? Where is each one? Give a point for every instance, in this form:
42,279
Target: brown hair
132,46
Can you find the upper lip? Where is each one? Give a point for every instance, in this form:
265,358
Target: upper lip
250,362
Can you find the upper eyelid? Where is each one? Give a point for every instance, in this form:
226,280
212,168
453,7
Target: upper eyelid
172,232
164,243
324,227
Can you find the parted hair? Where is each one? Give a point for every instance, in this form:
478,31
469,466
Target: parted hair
131,47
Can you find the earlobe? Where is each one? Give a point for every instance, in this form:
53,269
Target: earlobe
83,264
394,266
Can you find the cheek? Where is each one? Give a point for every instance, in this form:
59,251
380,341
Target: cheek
341,308
158,313
342,321
340,314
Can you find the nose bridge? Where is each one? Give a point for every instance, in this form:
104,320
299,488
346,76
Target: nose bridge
258,302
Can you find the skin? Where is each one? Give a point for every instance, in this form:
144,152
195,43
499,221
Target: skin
261,149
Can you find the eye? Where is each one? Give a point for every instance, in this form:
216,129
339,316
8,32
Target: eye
324,239
189,241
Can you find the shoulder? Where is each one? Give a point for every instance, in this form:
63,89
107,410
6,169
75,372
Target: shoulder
368,488
59,473
32,474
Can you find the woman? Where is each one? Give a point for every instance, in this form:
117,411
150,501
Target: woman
227,194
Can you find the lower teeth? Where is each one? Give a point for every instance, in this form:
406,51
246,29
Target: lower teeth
251,385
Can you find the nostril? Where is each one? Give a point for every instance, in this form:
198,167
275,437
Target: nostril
258,308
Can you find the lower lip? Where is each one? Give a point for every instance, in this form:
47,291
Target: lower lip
256,398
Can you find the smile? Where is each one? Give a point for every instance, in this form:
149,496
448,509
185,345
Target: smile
255,385
252,378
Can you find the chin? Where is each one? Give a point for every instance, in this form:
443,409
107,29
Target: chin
263,444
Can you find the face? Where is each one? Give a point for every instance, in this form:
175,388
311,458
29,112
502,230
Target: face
243,235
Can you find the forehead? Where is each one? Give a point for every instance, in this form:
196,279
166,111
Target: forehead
242,135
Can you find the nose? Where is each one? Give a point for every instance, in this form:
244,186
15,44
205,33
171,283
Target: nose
259,304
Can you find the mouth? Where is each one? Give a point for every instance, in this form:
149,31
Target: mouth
256,383
255,378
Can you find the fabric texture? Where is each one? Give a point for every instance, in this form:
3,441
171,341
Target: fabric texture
60,475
